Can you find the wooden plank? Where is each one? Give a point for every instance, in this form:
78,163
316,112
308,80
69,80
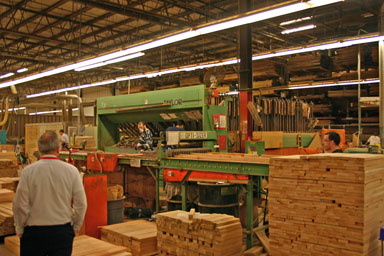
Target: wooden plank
264,240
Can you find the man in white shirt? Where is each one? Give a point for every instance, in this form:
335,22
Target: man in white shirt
64,139
44,218
373,140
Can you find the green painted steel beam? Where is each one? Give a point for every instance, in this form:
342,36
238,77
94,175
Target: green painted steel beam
223,167
74,157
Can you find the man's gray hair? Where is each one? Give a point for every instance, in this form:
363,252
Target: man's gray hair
48,142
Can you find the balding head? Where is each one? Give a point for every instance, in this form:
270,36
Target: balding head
48,142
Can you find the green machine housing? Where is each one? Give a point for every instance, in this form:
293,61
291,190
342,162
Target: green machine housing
188,104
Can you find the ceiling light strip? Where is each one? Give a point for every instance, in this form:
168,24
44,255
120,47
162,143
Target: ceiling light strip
298,29
325,46
179,37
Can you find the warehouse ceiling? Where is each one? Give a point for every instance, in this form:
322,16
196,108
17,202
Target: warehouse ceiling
43,34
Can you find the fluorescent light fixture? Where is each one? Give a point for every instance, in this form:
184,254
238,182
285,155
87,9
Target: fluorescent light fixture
327,46
21,70
179,37
372,81
50,112
14,109
293,30
229,93
265,15
295,21
7,75
100,64
71,88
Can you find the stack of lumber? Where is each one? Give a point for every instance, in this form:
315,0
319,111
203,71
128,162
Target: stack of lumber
326,204
9,183
183,233
139,236
89,140
6,214
224,157
82,246
8,167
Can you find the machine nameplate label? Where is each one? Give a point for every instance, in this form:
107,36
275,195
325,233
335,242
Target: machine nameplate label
193,135
135,163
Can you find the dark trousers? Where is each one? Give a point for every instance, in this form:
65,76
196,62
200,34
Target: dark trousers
47,240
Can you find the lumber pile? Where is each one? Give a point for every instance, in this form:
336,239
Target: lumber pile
139,236
183,233
6,214
82,246
326,204
9,183
224,157
89,140
8,167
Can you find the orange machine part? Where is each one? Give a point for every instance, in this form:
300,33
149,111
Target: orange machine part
108,162
173,175
96,191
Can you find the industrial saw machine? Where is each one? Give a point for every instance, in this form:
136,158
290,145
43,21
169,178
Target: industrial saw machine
206,124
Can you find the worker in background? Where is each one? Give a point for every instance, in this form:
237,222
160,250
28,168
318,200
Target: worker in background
331,142
42,205
146,137
373,140
64,139
179,127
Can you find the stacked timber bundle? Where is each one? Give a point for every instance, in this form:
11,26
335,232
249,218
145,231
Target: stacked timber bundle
8,167
82,246
326,204
6,214
140,236
182,233
9,183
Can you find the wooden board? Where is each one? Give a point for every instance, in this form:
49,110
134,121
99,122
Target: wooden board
82,246
271,139
139,236
183,233
326,204
225,157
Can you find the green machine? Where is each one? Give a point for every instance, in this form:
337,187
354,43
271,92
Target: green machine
159,109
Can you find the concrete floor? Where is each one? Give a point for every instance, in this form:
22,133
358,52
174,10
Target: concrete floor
4,251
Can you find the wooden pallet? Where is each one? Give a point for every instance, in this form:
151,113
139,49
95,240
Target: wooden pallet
182,233
326,204
139,236
82,246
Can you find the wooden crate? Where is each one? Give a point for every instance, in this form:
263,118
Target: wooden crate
326,204
139,236
82,246
34,131
183,233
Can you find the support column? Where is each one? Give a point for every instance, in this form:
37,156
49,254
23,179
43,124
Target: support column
381,75
245,79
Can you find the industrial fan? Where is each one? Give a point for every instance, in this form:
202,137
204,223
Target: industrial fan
214,76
